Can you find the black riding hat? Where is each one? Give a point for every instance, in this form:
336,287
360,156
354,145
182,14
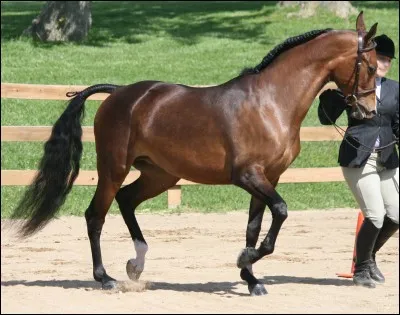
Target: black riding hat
384,46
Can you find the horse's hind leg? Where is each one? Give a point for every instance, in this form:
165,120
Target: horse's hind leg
95,217
152,182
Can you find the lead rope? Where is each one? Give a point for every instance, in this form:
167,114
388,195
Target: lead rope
345,139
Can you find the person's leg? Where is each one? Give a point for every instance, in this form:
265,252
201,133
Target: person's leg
365,185
390,194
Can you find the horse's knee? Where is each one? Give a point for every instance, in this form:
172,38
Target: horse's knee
279,211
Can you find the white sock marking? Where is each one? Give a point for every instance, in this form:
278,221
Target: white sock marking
141,250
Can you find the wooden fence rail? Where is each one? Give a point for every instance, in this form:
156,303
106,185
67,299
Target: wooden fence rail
89,178
57,92
42,133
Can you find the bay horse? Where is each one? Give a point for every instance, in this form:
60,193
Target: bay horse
243,132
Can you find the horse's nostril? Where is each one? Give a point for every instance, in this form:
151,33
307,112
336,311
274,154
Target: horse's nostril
373,112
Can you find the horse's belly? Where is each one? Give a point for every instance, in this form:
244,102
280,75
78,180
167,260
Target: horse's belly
199,164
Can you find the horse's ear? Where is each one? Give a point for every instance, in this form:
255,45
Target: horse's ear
360,26
371,34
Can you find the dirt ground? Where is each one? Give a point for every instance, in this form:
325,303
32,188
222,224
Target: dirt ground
191,267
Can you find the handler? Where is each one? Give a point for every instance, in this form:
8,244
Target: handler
370,164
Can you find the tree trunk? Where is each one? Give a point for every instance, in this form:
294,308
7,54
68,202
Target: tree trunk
61,21
308,8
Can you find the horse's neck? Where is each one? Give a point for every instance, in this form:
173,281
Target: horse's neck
296,92
294,81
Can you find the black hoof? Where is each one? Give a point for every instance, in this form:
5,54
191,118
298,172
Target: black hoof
257,290
247,257
109,285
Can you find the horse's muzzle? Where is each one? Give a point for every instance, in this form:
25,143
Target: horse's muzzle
357,115
359,112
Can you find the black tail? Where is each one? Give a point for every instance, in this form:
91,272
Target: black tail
59,166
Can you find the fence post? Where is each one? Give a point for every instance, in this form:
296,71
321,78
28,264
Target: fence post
174,196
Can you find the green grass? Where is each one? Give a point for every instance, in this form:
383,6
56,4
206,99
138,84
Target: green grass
196,43
190,43
203,198
33,151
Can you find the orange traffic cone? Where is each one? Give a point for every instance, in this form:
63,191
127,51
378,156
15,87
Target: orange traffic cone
360,220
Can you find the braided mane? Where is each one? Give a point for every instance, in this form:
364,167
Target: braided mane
286,45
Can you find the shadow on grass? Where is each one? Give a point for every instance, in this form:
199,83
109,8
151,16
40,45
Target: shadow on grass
134,22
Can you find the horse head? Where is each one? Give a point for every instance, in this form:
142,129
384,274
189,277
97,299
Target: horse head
355,71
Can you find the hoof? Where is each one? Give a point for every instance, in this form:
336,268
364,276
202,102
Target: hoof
246,257
134,271
257,290
109,285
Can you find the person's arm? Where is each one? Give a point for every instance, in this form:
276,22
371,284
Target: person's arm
331,104
395,118
395,124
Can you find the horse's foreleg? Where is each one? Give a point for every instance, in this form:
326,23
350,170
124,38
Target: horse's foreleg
250,255
253,180
152,182
256,212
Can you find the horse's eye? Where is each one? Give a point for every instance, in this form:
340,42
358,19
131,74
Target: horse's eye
371,69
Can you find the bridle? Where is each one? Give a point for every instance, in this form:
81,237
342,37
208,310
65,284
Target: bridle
352,99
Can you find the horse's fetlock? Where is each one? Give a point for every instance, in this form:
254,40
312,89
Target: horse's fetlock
98,274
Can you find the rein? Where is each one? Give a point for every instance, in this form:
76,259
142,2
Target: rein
370,150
